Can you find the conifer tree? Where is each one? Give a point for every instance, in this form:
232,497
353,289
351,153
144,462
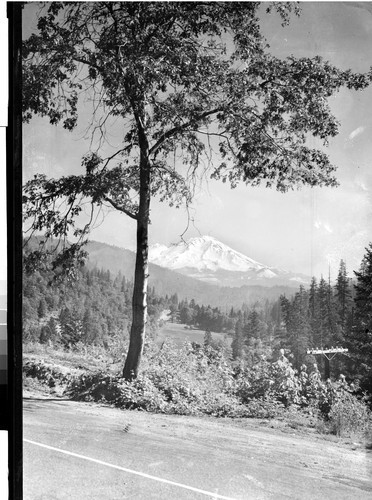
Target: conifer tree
314,316
323,302
237,344
207,338
298,328
359,341
343,296
42,309
333,320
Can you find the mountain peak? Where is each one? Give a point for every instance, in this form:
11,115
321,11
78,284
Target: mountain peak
207,259
202,253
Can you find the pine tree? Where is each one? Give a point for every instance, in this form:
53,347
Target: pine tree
42,309
360,339
343,296
333,319
237,344
323,338
207,338
282,332
252,329
314,316
299,327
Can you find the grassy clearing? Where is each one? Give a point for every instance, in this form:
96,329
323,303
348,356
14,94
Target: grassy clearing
82,358
179,334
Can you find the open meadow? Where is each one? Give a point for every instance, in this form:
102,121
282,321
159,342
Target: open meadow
179,334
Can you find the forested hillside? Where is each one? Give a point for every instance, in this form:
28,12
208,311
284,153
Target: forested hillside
93,308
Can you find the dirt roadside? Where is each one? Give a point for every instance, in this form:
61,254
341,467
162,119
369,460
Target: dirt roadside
241,458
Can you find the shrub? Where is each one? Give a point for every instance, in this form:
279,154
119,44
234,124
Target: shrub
276,381
47,374
195,381
349,416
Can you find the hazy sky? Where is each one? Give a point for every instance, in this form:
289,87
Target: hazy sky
302,231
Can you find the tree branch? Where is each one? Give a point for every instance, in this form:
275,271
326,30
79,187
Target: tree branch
179,128
120,208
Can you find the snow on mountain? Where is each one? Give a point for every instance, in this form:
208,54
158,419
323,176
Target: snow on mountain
267,273
207,259
203,253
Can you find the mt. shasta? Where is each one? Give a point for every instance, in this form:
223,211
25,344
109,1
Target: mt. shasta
209,260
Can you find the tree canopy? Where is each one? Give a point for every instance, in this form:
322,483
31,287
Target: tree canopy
176,73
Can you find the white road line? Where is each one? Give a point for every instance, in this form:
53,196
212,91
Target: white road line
130,471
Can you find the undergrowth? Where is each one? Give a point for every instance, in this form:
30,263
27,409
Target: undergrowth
202,381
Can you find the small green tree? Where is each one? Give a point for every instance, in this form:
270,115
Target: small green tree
237,344
207,338
182,79
42,308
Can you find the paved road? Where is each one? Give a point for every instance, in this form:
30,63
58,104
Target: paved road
80,451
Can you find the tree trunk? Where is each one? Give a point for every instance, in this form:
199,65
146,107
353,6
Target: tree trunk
139,302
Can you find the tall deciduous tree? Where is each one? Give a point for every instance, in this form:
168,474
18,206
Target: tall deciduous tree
183,79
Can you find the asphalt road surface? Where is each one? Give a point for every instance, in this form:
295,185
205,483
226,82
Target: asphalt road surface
83,451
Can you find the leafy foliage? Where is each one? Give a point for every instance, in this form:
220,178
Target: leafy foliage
349,416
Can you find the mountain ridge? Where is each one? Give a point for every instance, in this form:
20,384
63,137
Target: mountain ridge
168,282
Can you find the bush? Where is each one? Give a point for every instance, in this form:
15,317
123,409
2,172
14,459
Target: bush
196,381
277,382
47,374
349,416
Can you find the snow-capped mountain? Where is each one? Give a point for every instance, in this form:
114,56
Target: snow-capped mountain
207,259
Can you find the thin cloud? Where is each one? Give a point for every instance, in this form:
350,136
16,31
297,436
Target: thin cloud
318,224
356,132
